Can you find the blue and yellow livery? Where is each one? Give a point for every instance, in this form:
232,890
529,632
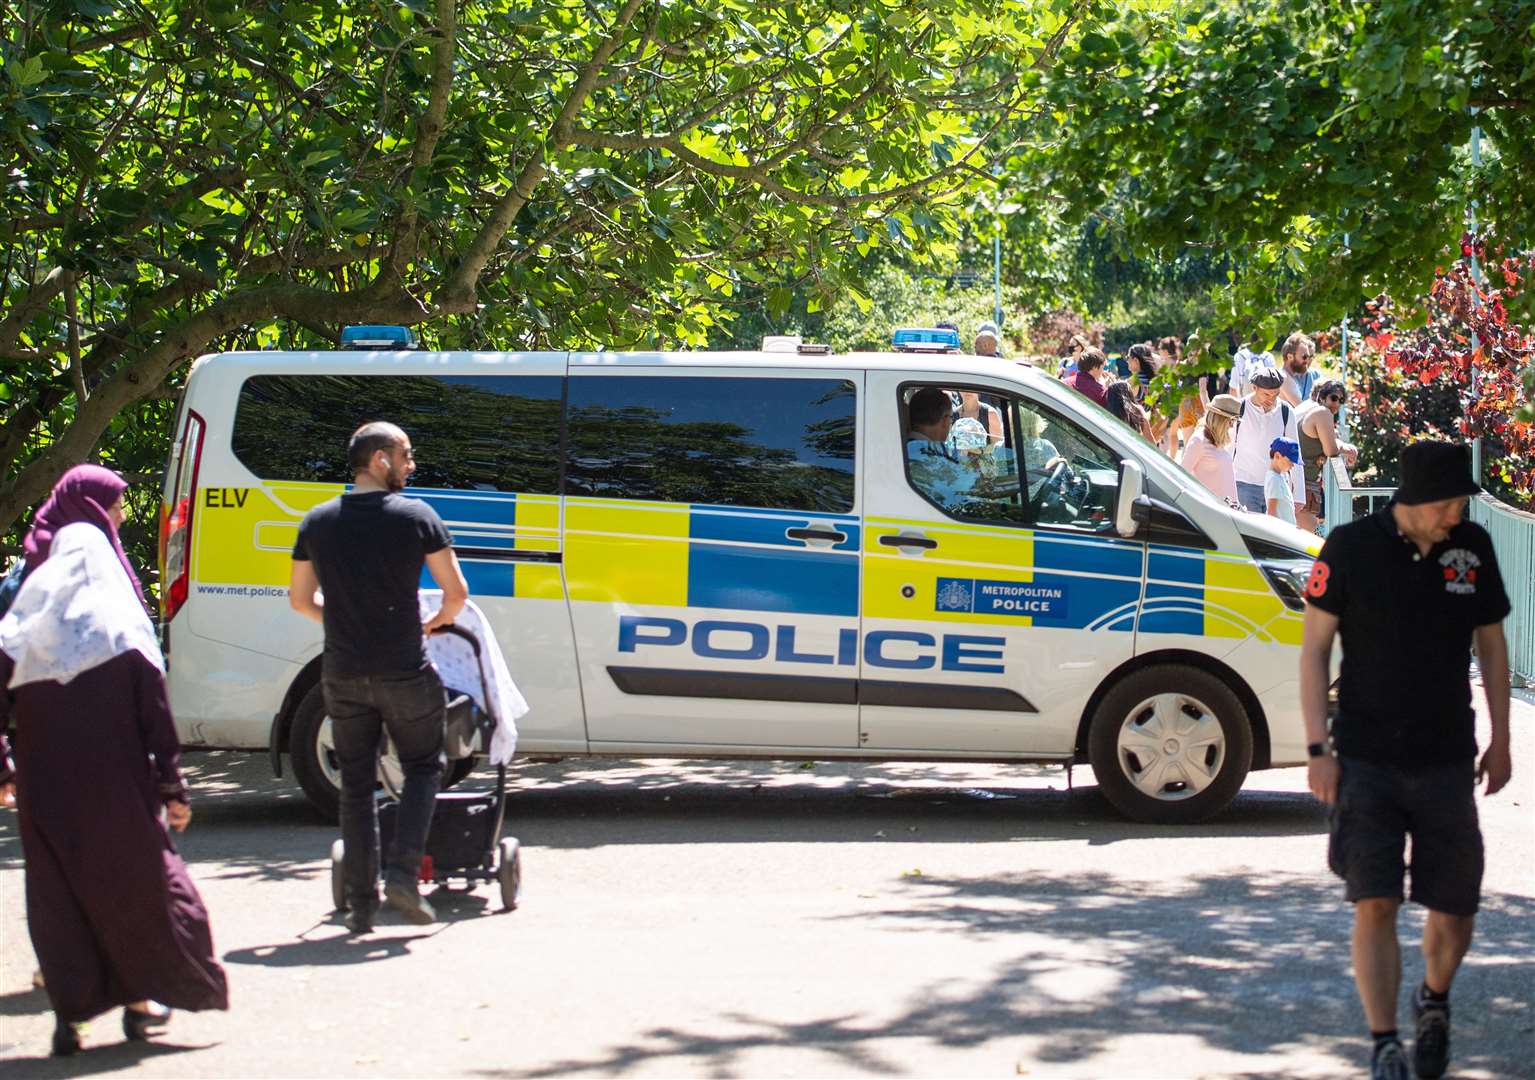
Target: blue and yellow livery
724,554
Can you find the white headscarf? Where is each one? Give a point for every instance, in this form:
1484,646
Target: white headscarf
75,612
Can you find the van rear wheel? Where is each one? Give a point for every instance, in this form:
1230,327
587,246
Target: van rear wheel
313,753
312,749
1170,745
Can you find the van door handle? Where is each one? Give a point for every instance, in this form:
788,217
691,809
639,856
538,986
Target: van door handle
908,540
831,536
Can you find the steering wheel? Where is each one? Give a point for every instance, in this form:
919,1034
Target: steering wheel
1052,485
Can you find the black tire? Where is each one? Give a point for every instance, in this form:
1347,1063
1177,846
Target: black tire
304,751
337,878
458,771
509,872
313,776
1189,699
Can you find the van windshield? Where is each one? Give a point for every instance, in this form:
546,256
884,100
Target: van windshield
1180,482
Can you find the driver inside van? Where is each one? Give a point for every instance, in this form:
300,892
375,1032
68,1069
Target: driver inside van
950,460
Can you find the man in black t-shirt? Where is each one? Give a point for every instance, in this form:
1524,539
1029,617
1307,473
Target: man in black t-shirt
365,550
1410,590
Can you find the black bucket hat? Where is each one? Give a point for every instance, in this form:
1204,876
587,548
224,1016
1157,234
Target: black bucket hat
1435,470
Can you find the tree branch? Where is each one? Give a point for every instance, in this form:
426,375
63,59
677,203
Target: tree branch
72,315
37,298
1047,54
111,38
402,249
757,174
142,378
459,290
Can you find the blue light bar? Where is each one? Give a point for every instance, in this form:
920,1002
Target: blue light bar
378,337
925,339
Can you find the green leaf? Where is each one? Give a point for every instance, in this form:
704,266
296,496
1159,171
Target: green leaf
30,73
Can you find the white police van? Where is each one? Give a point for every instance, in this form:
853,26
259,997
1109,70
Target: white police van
728,555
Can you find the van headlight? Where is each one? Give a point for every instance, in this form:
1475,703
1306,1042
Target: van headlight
1288,578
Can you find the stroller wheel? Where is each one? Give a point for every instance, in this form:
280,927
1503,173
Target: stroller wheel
337,880
509,872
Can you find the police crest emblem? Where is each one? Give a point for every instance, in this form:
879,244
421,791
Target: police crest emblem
953,596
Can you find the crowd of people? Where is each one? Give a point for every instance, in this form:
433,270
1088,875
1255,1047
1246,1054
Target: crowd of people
1235,429
1256,434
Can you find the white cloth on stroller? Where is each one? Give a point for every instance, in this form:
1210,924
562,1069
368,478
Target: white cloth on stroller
455,665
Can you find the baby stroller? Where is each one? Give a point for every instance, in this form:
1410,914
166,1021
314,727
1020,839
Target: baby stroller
465,841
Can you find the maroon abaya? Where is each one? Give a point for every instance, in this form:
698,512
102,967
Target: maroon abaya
113,914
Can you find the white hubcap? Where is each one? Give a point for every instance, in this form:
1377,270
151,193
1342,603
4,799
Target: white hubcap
389,773
1171,747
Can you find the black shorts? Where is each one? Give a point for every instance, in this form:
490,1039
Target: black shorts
1380,806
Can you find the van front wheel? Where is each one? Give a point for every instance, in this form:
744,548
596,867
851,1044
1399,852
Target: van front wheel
1170,745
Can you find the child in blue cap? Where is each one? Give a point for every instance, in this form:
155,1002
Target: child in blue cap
1284,455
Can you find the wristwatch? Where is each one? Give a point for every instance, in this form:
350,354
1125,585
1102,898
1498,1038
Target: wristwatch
1316,749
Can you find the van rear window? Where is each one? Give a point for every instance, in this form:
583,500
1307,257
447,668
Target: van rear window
472,432
784,443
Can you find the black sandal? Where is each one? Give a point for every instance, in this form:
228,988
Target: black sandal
66,1039
136,1022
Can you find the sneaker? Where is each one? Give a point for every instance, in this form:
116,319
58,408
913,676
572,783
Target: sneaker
408,901
1389,1062
1431,1049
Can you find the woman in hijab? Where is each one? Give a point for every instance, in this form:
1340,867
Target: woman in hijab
113,915
88,493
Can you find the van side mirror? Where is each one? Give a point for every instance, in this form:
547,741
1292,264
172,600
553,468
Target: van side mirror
1132,485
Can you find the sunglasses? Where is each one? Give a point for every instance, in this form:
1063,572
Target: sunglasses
1334,398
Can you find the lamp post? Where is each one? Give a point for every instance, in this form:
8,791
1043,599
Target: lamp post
1476,297
1343,364
996,272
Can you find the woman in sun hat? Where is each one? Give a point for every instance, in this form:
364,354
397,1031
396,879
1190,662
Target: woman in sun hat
1207,454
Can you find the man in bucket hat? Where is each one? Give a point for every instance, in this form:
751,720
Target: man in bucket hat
1410,590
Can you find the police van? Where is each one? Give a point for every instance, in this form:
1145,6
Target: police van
755,555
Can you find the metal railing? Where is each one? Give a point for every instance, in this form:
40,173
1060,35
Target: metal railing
1342,501
1513,539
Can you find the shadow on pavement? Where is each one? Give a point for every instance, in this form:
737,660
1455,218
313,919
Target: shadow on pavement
1256,963
339,949
27,1002
575,815
259,828
92,1059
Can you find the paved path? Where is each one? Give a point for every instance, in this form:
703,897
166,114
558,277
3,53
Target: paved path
760,919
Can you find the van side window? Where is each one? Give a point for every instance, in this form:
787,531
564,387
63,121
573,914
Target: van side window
470,432
783,443
989,457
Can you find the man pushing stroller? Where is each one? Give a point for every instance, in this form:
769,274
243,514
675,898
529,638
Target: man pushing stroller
364,551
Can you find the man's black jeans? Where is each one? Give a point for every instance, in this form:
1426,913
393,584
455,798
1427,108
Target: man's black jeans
411,707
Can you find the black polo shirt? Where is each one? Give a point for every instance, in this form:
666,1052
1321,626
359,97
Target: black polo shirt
367,549
1406,621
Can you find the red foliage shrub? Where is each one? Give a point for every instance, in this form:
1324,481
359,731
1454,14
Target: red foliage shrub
1457,377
